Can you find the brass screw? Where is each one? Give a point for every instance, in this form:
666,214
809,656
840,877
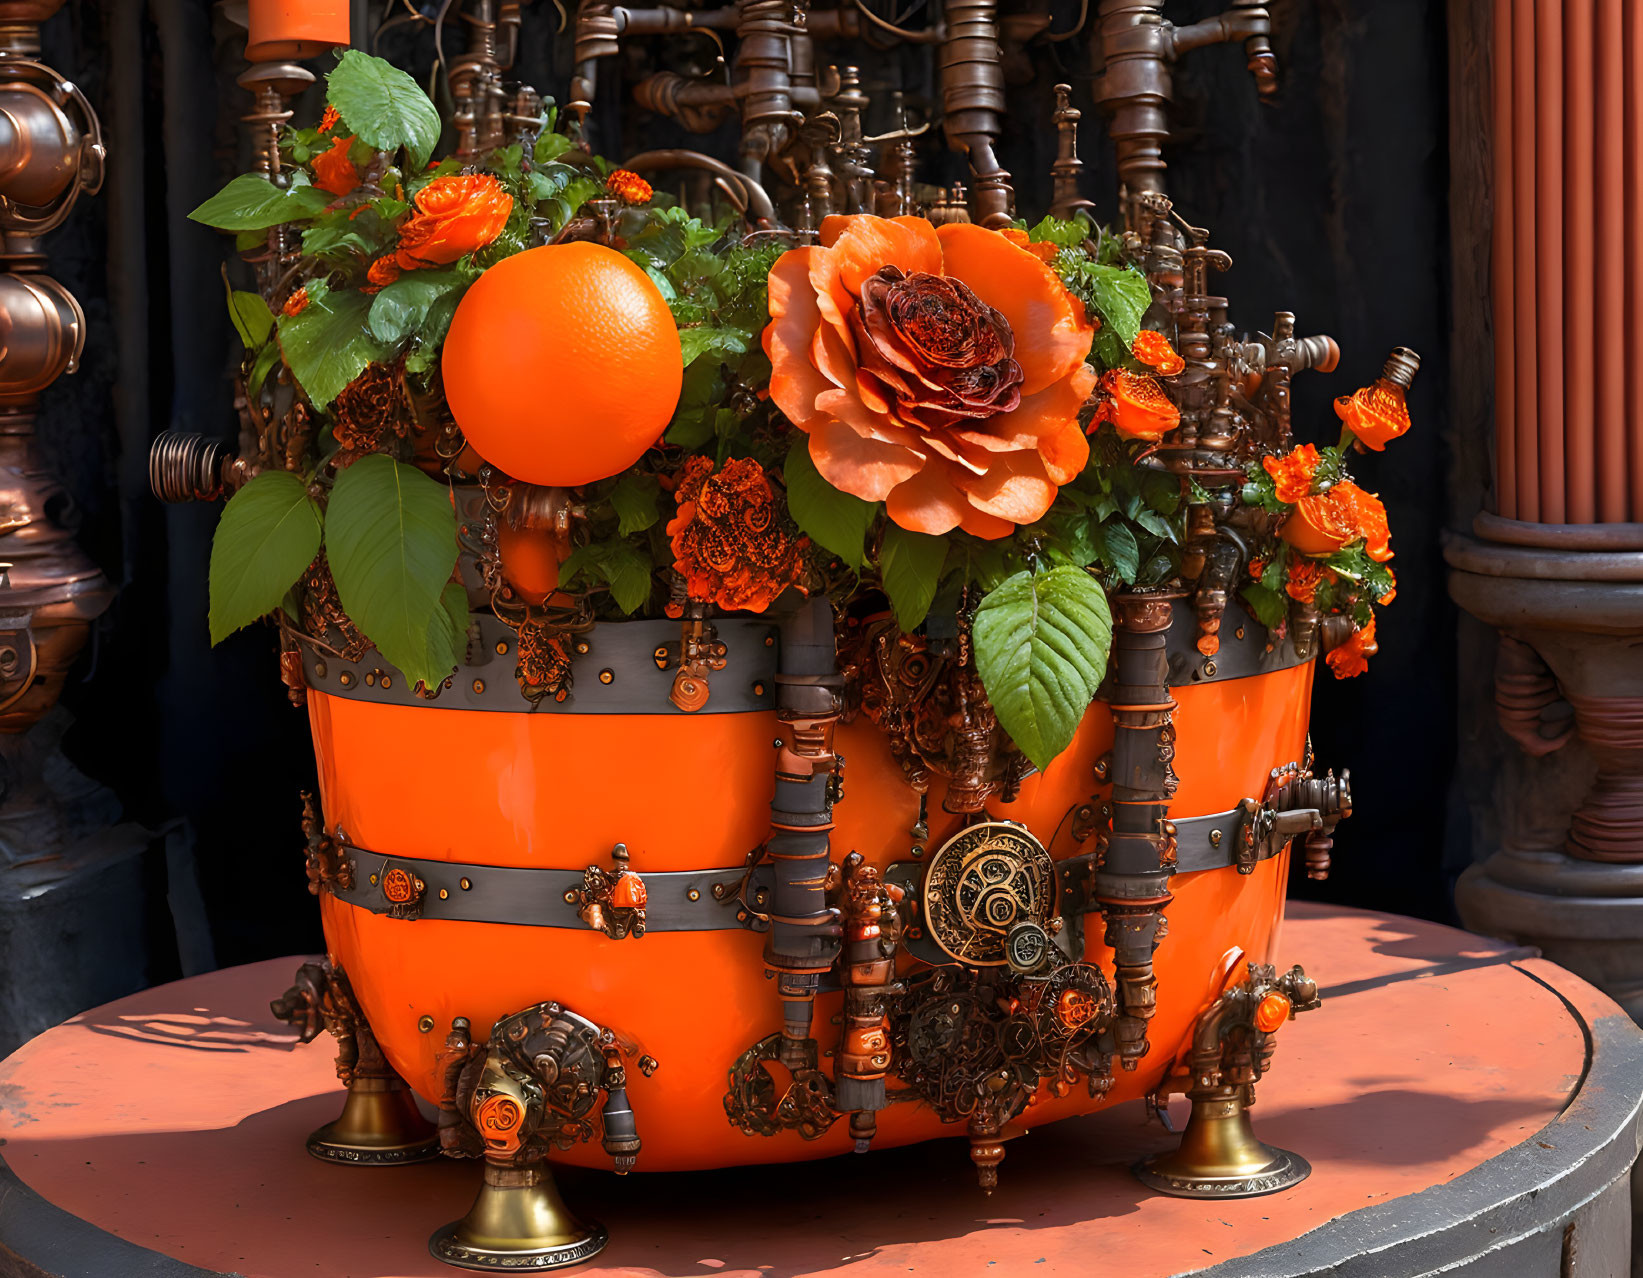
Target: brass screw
373,878
759,896
661,653
387,682
466,884
1239,633
693,895
918,850
1209,670
1215,838
346,679
758,690
502,648
570,898
607,675
479,685
741,916
770,641
582,647
319,670
444,894
426,1024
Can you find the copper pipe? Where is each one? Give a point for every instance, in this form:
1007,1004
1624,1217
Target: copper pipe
1548,265
1634,249
1526,354
1611,407
1500,264
1579,433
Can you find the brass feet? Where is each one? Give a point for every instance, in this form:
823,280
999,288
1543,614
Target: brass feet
380,1125
1218,1156
519,1221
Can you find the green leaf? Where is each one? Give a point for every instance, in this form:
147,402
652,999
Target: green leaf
1041,645
910,568
634,500
1122,295
1063,233
252,203
694,342
267,357
400,308
250,314
327,344
390,538
1269,607
453,600
619,564
269,533
383,105
832,519
1118,549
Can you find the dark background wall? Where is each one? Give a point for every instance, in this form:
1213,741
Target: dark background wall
1332,204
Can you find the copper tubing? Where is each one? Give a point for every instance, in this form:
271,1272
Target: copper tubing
1579,442
1526,356
1634,254
1548,264
1611,406
1500,264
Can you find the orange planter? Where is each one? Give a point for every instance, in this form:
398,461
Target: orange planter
296,29
558,789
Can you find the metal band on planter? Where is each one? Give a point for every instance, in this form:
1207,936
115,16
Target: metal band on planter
1243,651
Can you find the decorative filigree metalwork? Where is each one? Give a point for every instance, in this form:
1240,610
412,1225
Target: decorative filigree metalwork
328,867
989,897
757,1105
613,901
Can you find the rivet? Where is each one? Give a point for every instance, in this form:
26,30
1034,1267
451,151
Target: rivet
479,685
466,884
1239,632
758,690
759,897
502,648
373,878
387,682
741,916
570,898
693,895
582,646
446,684
770,641
914,933
444,894
319,670
607,675
426,1024
661,653
371,679
1209,669
1215,838
918,850
346,679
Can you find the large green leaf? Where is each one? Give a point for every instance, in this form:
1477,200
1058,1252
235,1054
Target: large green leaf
619,564
400,309
634,500
910,568
832,519
1123,295
252,203
1041,645
328,344
269,533
383,106
390,538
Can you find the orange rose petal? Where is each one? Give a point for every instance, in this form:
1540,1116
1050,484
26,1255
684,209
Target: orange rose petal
848,409
1041,411
794,381
908,242
927,502
871,390
978,523
939,446
1015,488
1052,335
1065,452
865,468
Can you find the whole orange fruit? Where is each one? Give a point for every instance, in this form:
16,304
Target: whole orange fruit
562,364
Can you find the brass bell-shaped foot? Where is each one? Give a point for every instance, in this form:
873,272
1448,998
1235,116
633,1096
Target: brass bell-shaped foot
1219,1156
380,1126
519,1221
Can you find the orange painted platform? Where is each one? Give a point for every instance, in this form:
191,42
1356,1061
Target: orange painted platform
174,1120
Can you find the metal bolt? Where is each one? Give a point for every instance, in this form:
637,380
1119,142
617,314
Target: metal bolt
1239,632
607,675
319,670
502,648
373,878
914,933
1209,670
346,679
759,897
758,690
444,894
1215,838
387,682
466,884
582,647
918,851
570,898
693,895
371,679
426,1024
741,916
770,641
479,685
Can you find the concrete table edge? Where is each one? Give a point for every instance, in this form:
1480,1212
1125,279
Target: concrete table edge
1587,1150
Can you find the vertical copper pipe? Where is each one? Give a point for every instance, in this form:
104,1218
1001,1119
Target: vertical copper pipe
1579,428
1634,249
1500,264
1527,355
1612,240
1548,265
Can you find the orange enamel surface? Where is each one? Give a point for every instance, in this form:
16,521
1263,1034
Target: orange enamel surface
539,790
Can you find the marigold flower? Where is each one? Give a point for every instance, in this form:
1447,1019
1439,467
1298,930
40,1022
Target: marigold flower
384,271
1323,523
1292,473
452,216
732,540
1043,250
1304,578
1153,350
333,170
1352,657
629,187
329,119
939,370
1136,404
297,303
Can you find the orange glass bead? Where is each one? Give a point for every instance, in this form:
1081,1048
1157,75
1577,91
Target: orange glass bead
1271,1012
628,892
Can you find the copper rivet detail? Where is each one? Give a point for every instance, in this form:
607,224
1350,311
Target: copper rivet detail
570,898
1215,838
371,680
466,884
607,675
502,648
444,894
582,647
387,682
741,916
1239,633
693,895
918,851
1209,669
770,641
426,1024
758,690
346,679
914,932
319,670
373,878
479,685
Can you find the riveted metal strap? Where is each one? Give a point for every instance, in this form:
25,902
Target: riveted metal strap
678,901
1243,648
614,670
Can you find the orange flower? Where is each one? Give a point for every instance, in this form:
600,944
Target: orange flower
732,541
1375,414
937,370
297,303
329,119
333,170
1323,523
1292,473
454,215
1043,250
1153,350
1136,404
1391,590
1257,568
1352,657
1304,579
628,187
384,271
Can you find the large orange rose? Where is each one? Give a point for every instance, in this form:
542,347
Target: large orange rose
454,216
1323,523
939,371
334,172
